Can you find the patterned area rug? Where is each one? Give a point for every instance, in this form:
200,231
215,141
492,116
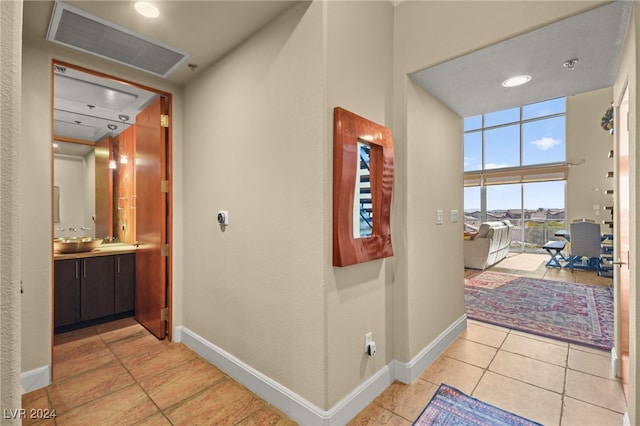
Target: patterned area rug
575,313
450,407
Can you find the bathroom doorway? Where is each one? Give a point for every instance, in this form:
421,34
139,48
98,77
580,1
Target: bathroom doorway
111,163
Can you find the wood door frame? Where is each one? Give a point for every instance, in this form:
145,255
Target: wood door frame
169,171
622,301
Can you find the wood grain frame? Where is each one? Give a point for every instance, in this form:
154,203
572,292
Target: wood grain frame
348,129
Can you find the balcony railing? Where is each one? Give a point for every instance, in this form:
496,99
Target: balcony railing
534,234
529,236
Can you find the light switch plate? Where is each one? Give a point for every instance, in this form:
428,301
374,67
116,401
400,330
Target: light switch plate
454,216
439,217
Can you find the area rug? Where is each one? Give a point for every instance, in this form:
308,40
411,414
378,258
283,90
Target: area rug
487,279
450,407
575,313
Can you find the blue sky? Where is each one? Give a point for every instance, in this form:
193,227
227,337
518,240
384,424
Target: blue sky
543,141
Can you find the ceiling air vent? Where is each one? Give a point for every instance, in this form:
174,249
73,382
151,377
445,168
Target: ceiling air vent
80,30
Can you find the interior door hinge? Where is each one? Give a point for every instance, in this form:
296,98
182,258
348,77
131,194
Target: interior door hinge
164,250
164,186
164,120
164,314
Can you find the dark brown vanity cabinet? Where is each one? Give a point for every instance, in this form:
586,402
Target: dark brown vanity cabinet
93,287
96,287
125,283
66,292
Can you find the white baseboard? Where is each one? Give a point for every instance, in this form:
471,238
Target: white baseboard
287,401
35,379
298,408
293,405
409,371
615,364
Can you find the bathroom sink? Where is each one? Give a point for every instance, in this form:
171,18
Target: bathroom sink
75,244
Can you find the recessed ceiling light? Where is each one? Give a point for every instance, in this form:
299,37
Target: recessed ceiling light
518,80
146,9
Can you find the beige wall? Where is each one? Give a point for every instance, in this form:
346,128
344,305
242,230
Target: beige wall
36,182
264,289
435,290
587,141
36,225
10,131
255,145
627,76
359,298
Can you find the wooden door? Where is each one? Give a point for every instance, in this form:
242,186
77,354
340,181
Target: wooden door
151,218
622,222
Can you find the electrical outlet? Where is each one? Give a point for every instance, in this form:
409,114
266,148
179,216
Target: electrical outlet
368,338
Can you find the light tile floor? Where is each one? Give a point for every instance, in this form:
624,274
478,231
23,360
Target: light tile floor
544,380
118,374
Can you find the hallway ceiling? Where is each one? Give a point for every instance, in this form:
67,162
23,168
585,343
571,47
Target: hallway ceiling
206,29
471,84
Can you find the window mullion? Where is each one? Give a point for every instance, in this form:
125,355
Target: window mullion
521,138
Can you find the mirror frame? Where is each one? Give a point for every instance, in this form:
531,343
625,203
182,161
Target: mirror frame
348,129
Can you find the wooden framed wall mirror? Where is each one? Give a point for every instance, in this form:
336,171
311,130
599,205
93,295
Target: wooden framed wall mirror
362,187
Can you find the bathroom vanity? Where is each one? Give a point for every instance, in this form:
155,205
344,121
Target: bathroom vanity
94,286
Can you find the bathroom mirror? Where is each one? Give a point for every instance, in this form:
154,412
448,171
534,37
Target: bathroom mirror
93,120
362,187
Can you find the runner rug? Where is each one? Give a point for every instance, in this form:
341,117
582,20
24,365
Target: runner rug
575,313
450,407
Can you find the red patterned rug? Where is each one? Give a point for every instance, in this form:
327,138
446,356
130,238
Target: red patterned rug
575,313
450,407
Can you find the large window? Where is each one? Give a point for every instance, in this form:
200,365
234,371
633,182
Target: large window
515,169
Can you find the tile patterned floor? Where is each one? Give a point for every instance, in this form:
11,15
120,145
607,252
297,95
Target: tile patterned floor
118,374
551,382
544,380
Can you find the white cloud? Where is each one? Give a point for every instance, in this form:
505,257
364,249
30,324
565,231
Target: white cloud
496,165
471,161
544,144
